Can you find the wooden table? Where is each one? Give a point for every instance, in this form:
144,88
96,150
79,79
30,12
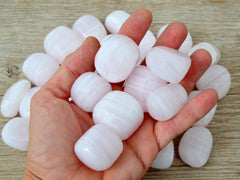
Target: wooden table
24,24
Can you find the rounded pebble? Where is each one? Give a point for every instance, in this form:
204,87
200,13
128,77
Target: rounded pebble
16,133
141,83
166,101
164,158
145,45
24,108
115,20
39,68
116,58
216,77
119,111
89,25
213,51
61,42
99,147
13,96
195,146
208,117
167,63
88,89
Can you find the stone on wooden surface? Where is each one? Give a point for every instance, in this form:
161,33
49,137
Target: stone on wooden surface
164,158
39,68
216,77
16,133
195,146
13,96
213,51
61,42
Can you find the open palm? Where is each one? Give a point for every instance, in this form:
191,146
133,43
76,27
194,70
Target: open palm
56,124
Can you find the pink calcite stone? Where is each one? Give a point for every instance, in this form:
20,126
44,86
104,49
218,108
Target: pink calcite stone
208,117
119,111
39,68
88,89
167,63
216,77
89,25
24,108
13,96
16,133
99,147
61,42
195,146
145,45
213,51
164,158
141,83
116,58
166,101
115,20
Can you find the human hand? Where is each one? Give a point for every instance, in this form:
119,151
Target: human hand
56,124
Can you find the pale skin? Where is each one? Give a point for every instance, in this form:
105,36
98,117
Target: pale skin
56,124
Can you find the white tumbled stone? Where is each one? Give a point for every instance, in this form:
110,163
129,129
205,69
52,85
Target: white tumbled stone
185,46
164,158
141,83
164,102
195,146
116,58
213,51
99,147
167,63
119,111
208,117
24,108
13,96
88,89
39,68
216,77
61,42
16,133
115,20
89,25
145,45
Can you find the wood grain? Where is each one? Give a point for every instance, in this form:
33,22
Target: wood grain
24,24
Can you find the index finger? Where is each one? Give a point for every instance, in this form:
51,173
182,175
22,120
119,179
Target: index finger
137,25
